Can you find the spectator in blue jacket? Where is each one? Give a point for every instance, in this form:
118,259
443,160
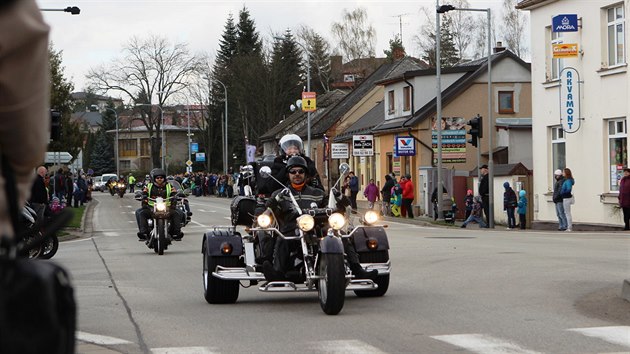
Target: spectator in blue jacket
522,209
566,192
353,184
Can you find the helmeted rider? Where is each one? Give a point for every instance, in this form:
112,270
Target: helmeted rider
281,204
159,188
132,183
290,145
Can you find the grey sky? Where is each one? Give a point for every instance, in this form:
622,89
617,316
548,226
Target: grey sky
97,35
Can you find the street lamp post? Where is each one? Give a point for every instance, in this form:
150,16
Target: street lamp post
446,8
163,148
308,89
116,148
73,10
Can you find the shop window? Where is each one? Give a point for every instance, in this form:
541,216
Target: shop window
145,147
128,147
558,148
618,150
557,64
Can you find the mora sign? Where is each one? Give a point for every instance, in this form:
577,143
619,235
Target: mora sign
570,100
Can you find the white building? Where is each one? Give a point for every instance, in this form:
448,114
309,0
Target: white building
595,146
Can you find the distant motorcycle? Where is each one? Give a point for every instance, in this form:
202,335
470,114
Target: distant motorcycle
120,188
159,238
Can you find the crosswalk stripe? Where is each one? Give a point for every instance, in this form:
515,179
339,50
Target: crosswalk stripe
182,350
99,339
344,346
616,335
480,343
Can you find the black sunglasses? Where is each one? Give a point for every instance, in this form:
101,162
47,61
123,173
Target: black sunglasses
295,172
159,177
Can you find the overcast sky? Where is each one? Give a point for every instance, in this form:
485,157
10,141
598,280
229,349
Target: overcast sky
97,35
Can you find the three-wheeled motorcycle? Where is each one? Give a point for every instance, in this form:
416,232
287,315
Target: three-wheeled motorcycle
232,259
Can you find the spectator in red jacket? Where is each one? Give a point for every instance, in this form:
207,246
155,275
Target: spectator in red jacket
407,196
624,197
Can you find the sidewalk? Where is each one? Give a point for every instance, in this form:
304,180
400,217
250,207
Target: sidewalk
425,220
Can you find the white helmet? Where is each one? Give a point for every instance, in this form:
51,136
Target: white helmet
291,140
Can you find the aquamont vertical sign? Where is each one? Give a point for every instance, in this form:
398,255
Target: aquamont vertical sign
570,100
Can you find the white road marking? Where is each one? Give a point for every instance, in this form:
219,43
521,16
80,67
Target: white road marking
182,350
78,240
109,233
616,335
98,339
198,223
344,346
480,343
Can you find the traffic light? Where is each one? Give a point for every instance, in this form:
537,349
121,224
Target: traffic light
55,125
476,130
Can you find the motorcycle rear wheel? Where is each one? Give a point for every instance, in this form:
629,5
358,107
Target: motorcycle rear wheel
382,280
332,284
215,290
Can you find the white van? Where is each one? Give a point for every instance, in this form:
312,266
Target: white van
105,178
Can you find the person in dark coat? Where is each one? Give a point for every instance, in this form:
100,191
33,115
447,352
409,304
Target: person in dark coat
509,205
624,197
39,194
484,191
386,194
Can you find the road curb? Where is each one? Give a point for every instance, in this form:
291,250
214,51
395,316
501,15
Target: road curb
625,290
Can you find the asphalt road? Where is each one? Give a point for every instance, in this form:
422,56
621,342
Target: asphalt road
452,290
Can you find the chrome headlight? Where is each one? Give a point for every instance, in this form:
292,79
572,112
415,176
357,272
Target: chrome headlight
306,222
370,217
264,220
337,221
120,185
160,205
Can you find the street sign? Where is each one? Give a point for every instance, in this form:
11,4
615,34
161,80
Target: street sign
564,23
189,163
309,101
57,157
194,147
363,145
188,169
405,146
565,50
200,157
339,150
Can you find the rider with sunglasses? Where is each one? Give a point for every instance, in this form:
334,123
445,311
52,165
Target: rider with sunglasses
305,195
159,188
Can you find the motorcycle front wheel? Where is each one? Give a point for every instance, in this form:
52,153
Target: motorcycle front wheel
332,284
160,244
49,247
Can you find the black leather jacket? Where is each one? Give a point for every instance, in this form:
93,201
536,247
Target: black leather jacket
284,210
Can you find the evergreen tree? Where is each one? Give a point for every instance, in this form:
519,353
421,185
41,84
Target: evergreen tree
319,50
102,157
287,79
227,44
248,39
395,44
449,55
61,100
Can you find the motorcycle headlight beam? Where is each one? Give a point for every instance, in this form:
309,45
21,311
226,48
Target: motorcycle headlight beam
337,221
306,222
370,217
160,205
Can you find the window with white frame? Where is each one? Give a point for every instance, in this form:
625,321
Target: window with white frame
391,104
558,148
617,150
557,64
616,35
406,98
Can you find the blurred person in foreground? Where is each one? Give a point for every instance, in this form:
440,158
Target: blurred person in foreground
24,100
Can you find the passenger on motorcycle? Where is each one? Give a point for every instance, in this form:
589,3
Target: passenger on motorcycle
284,210
159,188
290,145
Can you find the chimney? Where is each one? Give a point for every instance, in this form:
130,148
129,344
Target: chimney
399,53
499,48
336,67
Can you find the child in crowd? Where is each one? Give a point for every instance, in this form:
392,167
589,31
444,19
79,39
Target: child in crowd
475,215
522,209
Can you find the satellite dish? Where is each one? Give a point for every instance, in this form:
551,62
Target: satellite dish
293,108
298,103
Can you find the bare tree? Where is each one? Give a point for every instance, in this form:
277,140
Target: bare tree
480,38
355,37
513,27
149,67
461,28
